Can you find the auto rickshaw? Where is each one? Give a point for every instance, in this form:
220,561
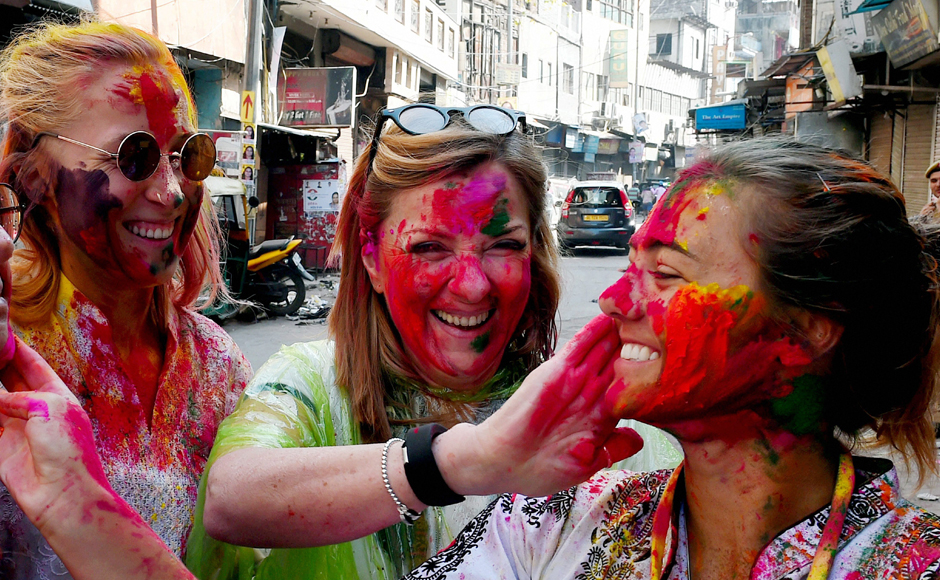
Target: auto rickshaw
270,273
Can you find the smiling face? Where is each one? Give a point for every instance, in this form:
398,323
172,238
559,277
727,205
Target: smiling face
116,229
453,262
696,333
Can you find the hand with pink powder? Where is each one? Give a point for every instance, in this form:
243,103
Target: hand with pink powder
49,463
555,432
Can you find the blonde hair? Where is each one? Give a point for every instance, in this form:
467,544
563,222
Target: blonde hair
39,73
367,344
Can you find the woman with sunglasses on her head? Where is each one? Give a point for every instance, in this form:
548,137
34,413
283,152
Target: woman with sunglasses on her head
118,243
447,297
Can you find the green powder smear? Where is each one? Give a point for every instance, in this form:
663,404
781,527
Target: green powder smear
801,412
497,225
480,343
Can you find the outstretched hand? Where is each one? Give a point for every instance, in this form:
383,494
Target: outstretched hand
557,430
47,444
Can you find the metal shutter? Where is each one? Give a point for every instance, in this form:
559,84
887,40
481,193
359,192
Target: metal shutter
879,142
918,143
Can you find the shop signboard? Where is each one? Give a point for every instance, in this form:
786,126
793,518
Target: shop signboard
728,116
619,58
906,31
317,97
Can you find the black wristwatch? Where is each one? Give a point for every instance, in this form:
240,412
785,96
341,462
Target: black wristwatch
421,469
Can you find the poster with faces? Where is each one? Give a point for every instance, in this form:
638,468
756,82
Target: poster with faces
321,195
229,152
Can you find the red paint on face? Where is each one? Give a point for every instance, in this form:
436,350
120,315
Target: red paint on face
154,91
99,208
476,200
439,264
686,297
721,352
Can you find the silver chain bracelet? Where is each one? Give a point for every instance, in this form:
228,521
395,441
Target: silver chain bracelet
408,516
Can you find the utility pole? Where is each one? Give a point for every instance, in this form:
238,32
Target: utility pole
253,52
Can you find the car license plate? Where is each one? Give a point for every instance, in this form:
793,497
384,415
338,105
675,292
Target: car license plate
595,218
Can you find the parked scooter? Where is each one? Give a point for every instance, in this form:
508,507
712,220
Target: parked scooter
270,273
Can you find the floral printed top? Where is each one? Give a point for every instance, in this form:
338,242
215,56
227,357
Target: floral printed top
601,529
155,468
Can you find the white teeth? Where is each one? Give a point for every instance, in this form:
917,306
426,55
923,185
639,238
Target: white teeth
462,320
152,234
638,353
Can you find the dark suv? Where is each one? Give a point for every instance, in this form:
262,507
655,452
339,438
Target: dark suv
596,213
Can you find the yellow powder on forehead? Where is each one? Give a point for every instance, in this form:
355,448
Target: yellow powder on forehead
714,188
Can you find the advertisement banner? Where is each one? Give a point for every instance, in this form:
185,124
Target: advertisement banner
317,97
905,31
619,57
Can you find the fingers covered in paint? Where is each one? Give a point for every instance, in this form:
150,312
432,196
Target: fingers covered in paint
552,433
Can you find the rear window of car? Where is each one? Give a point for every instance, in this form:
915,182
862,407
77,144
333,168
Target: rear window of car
597,196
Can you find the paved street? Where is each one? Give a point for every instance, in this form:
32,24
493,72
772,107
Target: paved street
584,277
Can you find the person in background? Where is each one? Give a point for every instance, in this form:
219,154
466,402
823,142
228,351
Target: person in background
646,198
447,299
933,182
778,304
118,243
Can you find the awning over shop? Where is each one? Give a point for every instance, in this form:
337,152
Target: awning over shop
731,115
301,132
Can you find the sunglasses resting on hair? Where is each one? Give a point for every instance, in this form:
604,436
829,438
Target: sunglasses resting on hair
422,118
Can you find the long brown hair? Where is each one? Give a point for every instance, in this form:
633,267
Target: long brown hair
39,73
367,343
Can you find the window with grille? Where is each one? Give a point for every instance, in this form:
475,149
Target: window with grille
428,24
400,11
415,16
568,78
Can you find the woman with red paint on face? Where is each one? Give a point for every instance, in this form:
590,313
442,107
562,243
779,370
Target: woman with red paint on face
447,297
101,146
48,460
778,306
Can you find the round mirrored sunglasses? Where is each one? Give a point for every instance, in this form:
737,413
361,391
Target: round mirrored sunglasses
11,211
138,155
